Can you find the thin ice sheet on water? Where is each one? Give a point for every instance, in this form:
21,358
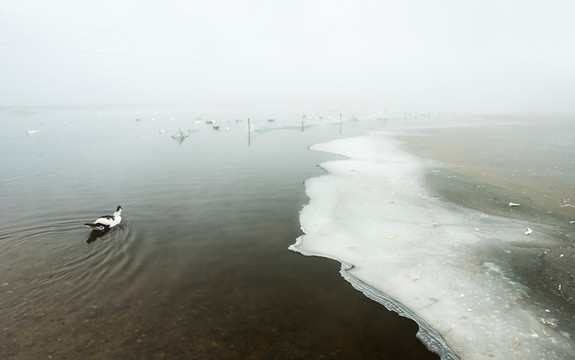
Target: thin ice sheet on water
418,255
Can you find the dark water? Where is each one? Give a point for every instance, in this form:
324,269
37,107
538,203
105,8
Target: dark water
199,267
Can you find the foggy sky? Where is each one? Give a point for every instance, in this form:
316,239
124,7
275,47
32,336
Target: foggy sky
446,55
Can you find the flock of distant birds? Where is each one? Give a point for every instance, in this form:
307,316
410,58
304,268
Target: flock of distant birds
309,118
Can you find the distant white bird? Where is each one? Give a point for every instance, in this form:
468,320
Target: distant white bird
32,132
511,204
107,221
529,231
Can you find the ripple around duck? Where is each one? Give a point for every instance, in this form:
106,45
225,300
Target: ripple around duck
64,259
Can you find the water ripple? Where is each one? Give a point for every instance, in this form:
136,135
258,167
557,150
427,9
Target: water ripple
63,259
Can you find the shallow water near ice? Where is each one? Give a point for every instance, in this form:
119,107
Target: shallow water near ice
199,266
478,286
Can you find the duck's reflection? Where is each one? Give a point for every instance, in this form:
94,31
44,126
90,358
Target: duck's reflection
95,235
117,232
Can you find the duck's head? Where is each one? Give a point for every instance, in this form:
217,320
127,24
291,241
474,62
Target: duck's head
119,208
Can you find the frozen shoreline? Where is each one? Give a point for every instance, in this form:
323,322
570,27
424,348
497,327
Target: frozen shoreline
425,258
426,334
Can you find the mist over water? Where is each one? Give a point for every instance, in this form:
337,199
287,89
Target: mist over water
208,206
202,200
199,266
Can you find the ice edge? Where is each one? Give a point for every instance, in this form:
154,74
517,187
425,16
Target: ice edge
426,334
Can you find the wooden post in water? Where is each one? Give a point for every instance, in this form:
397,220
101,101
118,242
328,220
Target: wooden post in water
249,134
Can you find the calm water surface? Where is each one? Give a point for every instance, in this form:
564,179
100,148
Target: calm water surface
199,267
